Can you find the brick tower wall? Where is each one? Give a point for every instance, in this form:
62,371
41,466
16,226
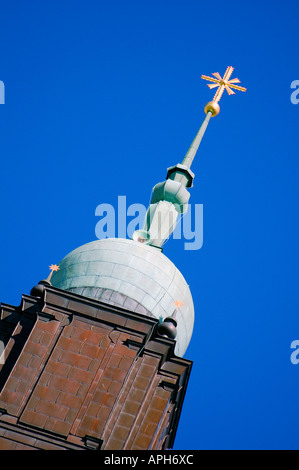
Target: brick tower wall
80,374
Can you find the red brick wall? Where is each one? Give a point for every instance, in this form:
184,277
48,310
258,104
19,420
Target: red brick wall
87,376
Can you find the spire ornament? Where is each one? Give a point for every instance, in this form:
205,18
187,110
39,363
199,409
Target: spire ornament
222,83
38,290
52,267
178,304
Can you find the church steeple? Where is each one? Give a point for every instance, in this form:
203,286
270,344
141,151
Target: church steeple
135,274
94,356
170,198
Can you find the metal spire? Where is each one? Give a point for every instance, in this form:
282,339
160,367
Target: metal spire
189,157
170,198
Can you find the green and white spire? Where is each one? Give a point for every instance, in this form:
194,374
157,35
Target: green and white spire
170,198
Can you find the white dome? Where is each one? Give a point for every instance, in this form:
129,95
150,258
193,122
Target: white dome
131,275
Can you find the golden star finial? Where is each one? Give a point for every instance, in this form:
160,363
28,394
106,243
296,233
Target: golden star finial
54,267
222,83
178,304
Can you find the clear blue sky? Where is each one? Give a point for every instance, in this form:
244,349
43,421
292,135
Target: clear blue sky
103,96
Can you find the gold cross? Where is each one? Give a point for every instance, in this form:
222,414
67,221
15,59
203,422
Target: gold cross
223,83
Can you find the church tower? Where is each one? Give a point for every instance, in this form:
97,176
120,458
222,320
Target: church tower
94,356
